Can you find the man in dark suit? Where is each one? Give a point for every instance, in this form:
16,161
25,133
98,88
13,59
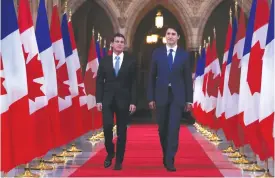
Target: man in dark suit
116,93
170,91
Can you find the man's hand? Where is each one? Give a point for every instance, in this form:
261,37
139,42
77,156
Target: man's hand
152,105
99,106
132,108
188,107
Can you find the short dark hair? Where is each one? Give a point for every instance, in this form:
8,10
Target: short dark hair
174,27
118,35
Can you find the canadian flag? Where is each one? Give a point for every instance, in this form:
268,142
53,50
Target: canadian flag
90,84
210,85
233,86
221,99
81,87
6,145
15,121
267,88
251,71
48,64
35,78
64,95
213,81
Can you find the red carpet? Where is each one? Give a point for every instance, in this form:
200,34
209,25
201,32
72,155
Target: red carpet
143,157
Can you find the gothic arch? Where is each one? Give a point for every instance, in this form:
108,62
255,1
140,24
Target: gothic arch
207,10
138,9
108,6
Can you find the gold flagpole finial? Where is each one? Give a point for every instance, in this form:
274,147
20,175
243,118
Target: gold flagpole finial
98,37
236,8
230,16
70,14
204,43
66,7
200,50
104,43
93,31
214,31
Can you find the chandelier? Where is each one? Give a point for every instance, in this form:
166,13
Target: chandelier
164,40
152,39
159,20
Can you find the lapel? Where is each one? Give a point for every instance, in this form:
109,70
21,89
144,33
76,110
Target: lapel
123,65
177,57
111,65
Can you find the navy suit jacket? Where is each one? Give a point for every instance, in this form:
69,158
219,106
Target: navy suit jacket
179,76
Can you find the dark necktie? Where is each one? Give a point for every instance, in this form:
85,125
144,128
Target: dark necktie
170,58
117,58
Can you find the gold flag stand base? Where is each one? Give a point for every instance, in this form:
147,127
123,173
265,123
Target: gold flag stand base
242,160
229,150
215,138
254,168
74,149
55,160
65,154
93,138
236,154
100,135
42,166
266,174
27,173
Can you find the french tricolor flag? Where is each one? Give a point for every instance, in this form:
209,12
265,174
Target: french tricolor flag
48,64
77,119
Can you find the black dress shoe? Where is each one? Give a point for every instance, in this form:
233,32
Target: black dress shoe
170,168
118,166
108,160
164,162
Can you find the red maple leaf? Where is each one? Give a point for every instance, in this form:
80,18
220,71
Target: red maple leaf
213,84
234,75
204,85
90,82
80,81
3,89
222,78
34,71
62,76
254,73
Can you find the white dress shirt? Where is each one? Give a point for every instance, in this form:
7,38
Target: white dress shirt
174,51
121,55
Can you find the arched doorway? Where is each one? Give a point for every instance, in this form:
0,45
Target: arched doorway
143,51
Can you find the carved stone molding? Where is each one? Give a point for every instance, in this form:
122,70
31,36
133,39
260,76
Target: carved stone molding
122,5
194,5
122,21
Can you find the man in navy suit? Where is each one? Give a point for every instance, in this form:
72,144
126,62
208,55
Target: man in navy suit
170,91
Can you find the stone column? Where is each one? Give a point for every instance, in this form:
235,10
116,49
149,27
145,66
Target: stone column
49,7
34,8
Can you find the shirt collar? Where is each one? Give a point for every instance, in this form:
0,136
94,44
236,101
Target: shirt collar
120,55
174,48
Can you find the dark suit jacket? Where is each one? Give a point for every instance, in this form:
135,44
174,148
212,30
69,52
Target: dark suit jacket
122,87
180,77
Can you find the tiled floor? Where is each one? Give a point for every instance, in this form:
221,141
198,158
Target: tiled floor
226,167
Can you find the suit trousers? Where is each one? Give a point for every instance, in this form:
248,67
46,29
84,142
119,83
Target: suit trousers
122,119
168,119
